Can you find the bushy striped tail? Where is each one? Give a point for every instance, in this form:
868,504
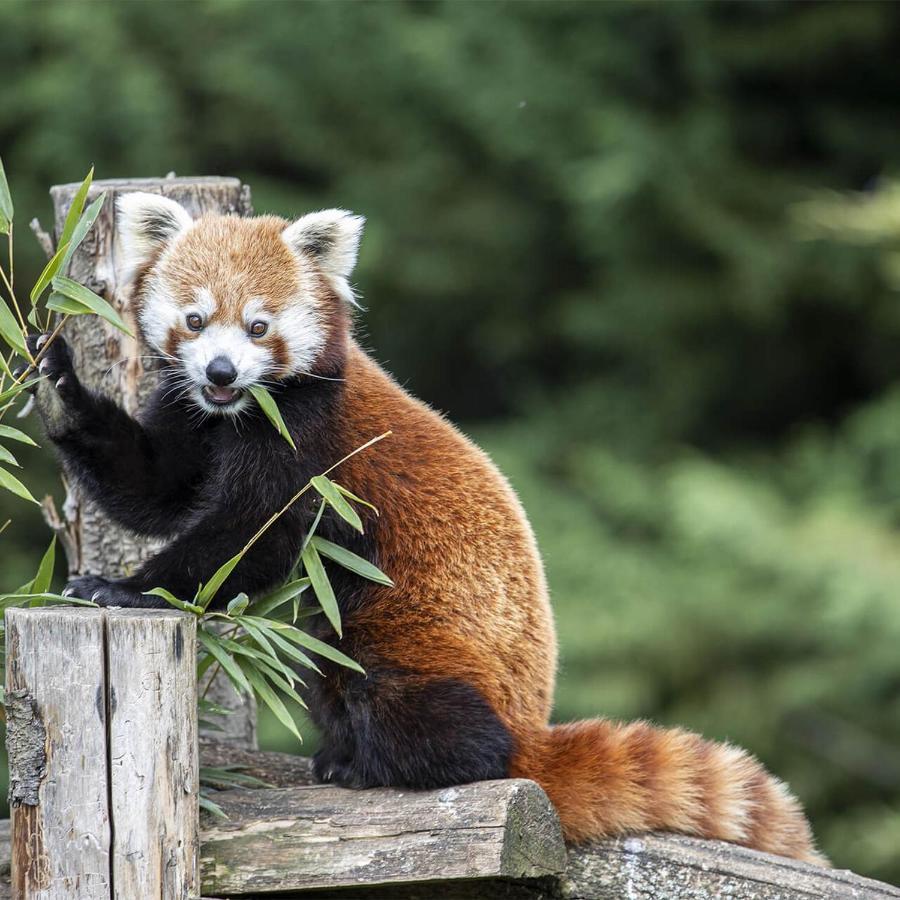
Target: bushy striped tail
607,778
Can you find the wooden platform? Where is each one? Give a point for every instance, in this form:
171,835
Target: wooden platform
497,839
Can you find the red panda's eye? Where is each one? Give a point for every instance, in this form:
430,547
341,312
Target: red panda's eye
195,321
258,329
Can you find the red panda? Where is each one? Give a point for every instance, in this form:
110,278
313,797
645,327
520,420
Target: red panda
460,655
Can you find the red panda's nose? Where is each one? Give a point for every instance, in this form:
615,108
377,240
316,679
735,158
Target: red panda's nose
220,371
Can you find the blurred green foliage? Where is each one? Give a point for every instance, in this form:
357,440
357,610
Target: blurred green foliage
589,238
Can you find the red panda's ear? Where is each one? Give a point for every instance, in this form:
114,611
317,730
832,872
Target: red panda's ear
145,224
331,236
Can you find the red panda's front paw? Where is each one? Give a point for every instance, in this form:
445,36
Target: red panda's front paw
56,365
104,592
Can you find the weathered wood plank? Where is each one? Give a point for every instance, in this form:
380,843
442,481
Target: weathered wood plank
153,753
681,868
56,738
289,839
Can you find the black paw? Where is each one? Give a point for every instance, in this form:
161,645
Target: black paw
330,768
56,365
106,593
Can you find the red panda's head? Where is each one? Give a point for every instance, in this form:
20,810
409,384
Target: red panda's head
236,302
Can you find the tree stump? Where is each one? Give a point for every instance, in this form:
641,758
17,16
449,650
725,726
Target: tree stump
114,364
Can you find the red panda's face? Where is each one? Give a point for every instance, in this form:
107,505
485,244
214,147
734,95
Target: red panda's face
236,302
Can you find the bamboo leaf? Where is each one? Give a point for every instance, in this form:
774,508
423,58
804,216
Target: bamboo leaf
208,591
284,646
312,562
82,228
237,605
7,600
74,213
10,330
17,389
314,645
226,661
349,560
315,522
337,501
13,434
351,496
7,457
13,485
78,292
6,204
59,303
178,604
270,698
46,276
41,583
211,807
265,605
269,407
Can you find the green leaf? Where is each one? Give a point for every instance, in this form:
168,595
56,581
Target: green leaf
268,406
351,561
7,600
265,605
336,500
74,213
12,484
6,204
351,496
61,304
321,585
178,604
17,389
10,330
41,583
82,228
224,659
284,646
269,697
7,457
315,523
208,591
7,431
237,605
85,296
46,276
314,645
211,807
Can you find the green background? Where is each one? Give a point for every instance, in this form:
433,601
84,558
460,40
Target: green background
583,244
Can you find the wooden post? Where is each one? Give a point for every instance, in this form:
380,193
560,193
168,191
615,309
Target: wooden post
114,364
56,739
102,736
153,757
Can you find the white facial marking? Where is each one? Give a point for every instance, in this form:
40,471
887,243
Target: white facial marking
301,329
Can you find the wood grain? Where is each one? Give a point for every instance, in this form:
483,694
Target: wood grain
153,754
54,667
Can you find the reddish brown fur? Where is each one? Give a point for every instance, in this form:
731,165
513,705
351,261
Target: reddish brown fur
471,603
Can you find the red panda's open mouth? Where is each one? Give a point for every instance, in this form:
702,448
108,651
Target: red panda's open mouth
221,396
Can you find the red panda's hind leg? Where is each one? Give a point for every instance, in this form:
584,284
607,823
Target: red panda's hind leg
394,729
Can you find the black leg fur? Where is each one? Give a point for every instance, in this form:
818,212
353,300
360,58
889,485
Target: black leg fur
390,730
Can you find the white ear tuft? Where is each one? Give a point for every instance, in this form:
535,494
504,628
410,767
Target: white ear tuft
331,236
145,224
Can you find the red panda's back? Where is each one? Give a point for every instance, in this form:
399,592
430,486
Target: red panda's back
470,600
